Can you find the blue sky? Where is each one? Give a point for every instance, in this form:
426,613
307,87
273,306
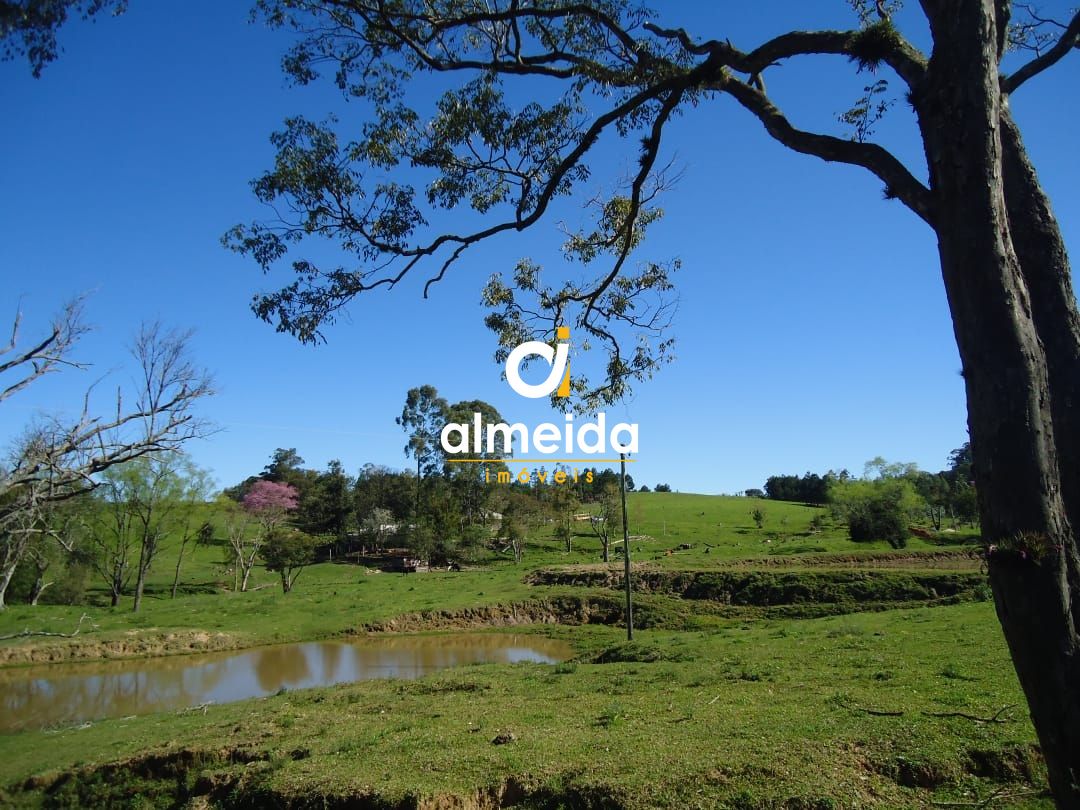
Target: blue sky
812,327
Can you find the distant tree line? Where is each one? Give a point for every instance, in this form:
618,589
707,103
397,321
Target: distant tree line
809,488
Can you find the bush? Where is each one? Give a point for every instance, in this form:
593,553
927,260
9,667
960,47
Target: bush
877,510
70,587
759,517
880,518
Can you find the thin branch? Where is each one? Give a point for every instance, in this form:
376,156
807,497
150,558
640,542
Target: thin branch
1069,40
874,712
26,633
996,718
48,354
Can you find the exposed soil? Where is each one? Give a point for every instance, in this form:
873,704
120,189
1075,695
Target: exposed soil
965,559
234,778
135,644
557,610
803,592
767,588
1016,763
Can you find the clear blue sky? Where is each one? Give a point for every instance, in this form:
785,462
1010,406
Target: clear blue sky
812,329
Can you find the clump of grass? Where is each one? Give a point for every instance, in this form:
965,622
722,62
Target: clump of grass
636,652
952,672
753,675
612,715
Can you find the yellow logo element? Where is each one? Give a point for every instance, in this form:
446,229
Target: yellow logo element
563,333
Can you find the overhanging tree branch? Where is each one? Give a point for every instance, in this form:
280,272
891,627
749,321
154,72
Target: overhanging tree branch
899,182
605,56
1069,39
878,43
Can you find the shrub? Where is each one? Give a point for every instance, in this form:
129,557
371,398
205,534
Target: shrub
877,510
759,517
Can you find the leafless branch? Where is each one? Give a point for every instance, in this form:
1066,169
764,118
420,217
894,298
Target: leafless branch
997,717
26,633
58,460
1068,40
49,354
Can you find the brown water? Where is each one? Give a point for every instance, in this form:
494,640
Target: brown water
63,694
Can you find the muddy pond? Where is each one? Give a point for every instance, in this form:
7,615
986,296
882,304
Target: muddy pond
54,695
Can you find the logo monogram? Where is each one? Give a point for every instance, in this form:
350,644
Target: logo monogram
557,357
589,438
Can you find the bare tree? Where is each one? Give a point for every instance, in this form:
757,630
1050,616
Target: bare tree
59,459
111,538
245,540
607,521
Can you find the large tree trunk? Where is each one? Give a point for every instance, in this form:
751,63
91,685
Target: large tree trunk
1044,263
1012,416
1054,584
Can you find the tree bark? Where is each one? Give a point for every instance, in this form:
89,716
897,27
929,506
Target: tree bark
1003,303
1044,263
5,579
12,550
140,579
1046,596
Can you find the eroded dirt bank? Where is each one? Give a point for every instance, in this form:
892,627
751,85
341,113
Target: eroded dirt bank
134,644
771,588
793,593
234,778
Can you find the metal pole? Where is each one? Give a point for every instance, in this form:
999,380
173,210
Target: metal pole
626,550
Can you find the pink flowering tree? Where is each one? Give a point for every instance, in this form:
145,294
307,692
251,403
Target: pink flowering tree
271,501
266,505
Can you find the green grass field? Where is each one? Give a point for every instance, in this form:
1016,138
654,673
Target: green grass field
833,675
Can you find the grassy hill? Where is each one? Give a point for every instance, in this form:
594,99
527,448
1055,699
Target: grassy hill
774,667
